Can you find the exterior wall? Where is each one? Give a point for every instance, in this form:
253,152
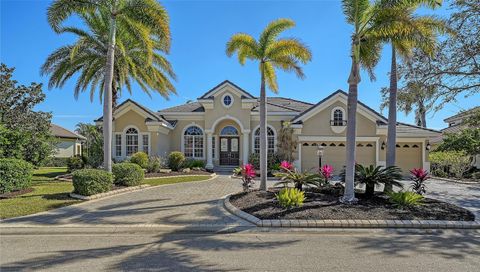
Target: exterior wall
219,111
176,135
66,148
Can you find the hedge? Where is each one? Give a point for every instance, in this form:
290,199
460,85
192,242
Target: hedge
127,174
15,175
92,181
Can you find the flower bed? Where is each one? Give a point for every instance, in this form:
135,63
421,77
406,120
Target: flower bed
325,205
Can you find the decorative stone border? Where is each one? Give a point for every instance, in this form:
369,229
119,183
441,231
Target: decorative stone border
456,181
109,193
314,223
211,176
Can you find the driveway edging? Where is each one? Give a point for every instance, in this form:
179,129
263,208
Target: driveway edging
109,193
316,223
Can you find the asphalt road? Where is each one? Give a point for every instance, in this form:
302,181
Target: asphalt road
173,250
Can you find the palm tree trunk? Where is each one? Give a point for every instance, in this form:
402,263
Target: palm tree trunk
353,80
263,133
107,98
392,116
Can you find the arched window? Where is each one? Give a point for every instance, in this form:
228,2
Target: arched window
229,131
131,139
338,118
193,142
270,141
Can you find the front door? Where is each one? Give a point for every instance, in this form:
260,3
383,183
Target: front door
229,151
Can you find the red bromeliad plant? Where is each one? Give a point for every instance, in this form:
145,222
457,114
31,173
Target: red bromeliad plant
419,176
285,165
248,175
326,171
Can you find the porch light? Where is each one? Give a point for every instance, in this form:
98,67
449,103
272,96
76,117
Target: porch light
383,145
428,146
320,150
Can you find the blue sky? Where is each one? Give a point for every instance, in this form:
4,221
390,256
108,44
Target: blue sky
200,30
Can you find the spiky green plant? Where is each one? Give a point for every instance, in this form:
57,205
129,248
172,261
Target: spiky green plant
145,20
371,176
271,53
405,199
298,179
290,197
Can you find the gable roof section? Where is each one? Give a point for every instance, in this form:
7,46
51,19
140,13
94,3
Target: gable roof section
61,132
310,112
461,114
188,107
211,92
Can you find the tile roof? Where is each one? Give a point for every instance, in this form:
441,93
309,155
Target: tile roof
61,132
463,113
188,107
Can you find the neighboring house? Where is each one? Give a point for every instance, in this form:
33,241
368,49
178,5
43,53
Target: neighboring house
456,123
222,128
69,143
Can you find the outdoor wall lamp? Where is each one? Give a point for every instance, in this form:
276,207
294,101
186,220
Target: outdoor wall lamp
320,150
383,145
428,146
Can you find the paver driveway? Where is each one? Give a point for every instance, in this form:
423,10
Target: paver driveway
185,204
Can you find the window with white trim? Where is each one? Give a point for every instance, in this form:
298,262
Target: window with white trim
229,131
118,145
193,142
338,118
131,139
270,141
145,142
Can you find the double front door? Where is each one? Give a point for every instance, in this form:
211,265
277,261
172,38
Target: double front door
229,151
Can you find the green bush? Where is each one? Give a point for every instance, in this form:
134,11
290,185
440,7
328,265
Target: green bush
439,173
15,175
127,174
192,163
405,199
140,158
75,163
154,164
290,197
175,160
55,162
476,176
92,181
457,162
273,161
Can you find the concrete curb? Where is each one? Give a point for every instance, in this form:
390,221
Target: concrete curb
109,193
372,224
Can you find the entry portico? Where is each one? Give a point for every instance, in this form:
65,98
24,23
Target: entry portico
222,128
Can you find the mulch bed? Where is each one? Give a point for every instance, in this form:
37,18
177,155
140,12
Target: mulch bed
320,205
173,174
16,193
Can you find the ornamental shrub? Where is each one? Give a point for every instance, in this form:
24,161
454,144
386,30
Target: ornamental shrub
154,164
273,161
15,174
175,160
140,158
127,174
192,163
405,199
55,162
418,177
290,197
457,162
91,181
75,163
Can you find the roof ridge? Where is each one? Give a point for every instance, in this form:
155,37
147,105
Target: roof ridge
281,106
283,97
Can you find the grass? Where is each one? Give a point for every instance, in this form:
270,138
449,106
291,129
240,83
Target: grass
46,195
170,180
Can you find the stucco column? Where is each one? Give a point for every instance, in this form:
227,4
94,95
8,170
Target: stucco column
209,151
246,147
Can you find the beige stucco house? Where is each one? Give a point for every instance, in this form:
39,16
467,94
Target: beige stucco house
68,143
222,128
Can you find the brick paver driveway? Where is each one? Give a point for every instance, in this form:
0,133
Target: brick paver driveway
185,204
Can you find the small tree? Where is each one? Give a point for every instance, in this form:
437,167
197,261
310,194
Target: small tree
286,142
457,162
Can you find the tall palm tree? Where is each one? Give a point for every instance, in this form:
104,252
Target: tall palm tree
87,56
374,23
272,53
145,19
417,32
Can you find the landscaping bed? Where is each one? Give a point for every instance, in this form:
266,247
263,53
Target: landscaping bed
320,205
173,174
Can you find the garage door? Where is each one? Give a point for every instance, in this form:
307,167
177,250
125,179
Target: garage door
335,154
409,156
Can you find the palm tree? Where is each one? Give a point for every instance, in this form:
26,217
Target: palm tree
417,32
147,20
87,56
272,53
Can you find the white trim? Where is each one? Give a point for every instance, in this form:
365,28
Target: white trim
337,129
228,117
245,147
274,138
182,140
220,132
312,138
124,140
231,97
299,163
149,143
115,145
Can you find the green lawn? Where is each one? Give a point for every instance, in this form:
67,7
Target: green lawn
162,181
45,196
49,194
